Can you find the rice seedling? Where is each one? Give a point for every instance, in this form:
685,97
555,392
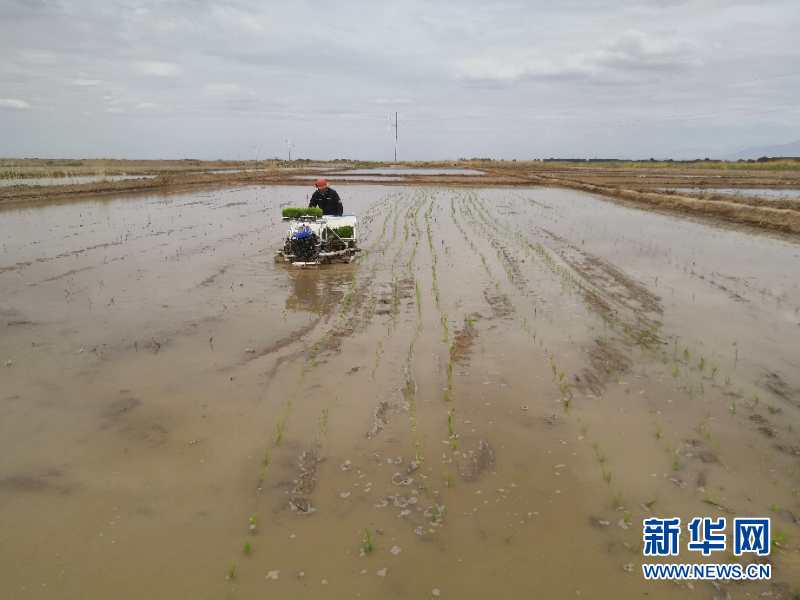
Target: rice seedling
436,513
231,575
703,429
252,524
279,428
780,538
606,475
676,462
323,422
293,212
598,453
627,517
367,545
451,430
247,549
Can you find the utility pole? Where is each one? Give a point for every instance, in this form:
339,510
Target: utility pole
391,125
289,148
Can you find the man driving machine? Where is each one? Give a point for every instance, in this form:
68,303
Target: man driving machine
326,198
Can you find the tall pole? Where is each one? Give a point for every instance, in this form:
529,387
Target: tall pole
395,136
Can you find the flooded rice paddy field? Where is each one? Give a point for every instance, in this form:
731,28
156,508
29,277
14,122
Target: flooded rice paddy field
409,171
487,403
69,180
767,193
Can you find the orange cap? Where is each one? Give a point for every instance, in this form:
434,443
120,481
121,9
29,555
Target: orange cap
321,182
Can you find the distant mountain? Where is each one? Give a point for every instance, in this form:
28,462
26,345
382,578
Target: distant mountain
791,149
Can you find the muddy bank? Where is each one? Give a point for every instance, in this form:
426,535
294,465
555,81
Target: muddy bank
616,184
757,214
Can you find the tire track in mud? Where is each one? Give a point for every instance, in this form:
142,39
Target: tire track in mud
634,314
301,494
626,306
356,311
560,380
567,280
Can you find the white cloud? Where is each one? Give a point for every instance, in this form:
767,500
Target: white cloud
515,77
225,89
155,68
86,82
14,104
391,101
628,56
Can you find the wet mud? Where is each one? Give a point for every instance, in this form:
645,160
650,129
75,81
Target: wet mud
487,403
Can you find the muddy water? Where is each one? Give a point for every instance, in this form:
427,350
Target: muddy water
410,171
486,404
767,193
71,180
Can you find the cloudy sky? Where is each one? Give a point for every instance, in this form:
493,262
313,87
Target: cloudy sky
513,79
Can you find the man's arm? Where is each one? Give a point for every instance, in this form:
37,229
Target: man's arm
339,206
314,200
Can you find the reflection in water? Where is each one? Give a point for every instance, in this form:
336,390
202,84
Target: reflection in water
319,290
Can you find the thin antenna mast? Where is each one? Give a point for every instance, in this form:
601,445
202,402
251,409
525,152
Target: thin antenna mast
395,136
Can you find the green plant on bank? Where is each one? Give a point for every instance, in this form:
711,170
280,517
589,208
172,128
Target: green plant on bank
293,212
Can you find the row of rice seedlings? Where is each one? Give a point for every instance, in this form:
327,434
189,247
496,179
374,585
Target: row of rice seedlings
468,238
564,386
452,436
281,426
434,273
410,389
490,225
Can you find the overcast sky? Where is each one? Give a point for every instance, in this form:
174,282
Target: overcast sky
196,78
